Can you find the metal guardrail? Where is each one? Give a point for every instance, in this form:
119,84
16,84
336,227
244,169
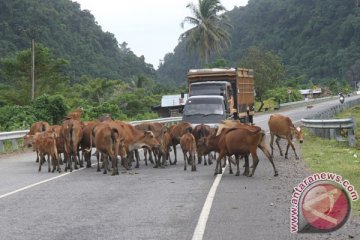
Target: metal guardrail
15,135
332,128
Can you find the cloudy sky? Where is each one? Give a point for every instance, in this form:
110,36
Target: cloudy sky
151,28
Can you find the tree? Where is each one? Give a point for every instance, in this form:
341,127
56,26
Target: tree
210,33
269,71
50,75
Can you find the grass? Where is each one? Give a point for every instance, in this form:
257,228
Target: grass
323,155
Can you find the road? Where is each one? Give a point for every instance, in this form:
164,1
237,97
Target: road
148,203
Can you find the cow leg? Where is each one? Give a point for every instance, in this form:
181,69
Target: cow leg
185,159
246,165
237,158
37,156
277,143
136,154
76,161
199,156
81,159
272,143
255,162
151,159
175,160
40,160
218,169
287,148
193,162
209,159
230,167
98,161
114,164
49,163
270,157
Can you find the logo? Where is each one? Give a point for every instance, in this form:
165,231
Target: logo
325,207
321,203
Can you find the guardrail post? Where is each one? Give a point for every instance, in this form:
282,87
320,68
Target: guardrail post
1,146
14,144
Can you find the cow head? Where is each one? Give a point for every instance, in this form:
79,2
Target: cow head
28,140
149,140
122,148
299,135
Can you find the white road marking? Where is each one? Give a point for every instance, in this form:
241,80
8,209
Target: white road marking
38,183
204,215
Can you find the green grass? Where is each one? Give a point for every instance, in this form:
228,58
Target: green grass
323,155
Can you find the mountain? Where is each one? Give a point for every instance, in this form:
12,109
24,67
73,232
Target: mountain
318,40
70,33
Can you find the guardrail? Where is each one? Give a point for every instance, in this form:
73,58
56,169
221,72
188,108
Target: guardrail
332,128
15,135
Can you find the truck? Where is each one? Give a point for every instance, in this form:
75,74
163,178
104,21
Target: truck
235,86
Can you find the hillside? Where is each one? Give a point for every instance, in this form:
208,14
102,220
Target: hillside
317,40
69,33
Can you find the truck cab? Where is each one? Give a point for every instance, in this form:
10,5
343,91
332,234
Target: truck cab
207,109
238,92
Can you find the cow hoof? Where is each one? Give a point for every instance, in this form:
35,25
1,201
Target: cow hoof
156,166
193,170
88,166
297,158
237,174
230,172
137,166
276,174
286,157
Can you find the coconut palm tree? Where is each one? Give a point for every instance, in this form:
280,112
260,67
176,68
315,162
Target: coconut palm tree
210,33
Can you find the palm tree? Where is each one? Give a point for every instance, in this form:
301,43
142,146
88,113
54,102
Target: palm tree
210,33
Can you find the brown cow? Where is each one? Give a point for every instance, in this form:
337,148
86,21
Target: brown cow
176,131
201,131
239,142
188,145
35,128
45,143
71,131
76,114
134,139
108,142
60,142
159,131
85,144
282,127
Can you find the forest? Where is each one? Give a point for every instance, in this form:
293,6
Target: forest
290,45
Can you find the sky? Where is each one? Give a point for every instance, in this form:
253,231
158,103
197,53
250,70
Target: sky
151,28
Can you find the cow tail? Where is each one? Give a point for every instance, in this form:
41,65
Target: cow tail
114,135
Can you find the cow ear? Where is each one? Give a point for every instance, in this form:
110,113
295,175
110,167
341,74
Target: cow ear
298,129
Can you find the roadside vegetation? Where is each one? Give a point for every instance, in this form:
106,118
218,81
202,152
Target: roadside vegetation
323,155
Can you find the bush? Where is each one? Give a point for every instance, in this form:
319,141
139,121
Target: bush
16,117
50,108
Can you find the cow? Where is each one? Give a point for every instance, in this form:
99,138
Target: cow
188,145
134,139
35,128
239,141
282,127
159,131
85,144
71,131
201,131
108,142
176,131
60,142
45,144
76,114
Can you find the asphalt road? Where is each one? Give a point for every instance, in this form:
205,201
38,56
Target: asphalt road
148,203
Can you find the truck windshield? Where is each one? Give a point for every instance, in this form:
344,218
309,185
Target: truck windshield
203,108
206,89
